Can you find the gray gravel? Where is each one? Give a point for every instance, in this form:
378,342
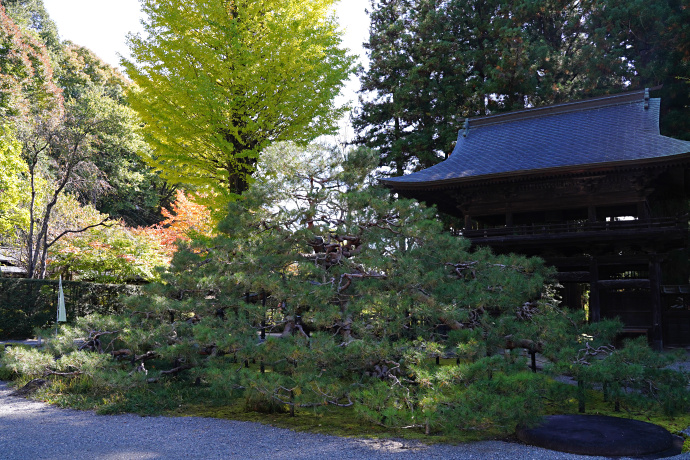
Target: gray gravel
33,430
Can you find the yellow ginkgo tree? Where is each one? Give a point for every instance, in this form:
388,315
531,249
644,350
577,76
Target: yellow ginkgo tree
219,80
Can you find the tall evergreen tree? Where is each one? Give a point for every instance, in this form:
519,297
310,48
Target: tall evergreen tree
434,63
654,39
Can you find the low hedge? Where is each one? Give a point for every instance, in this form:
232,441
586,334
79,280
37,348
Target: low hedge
28,303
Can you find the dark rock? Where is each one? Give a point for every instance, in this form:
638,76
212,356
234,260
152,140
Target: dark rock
602,436
31,387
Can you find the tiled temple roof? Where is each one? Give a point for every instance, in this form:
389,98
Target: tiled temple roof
616,129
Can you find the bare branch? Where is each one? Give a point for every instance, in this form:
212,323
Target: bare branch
62,374
88,227
178,369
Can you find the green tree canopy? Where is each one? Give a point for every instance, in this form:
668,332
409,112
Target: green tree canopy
26,73
39,73
218,81
654,38
122,185
32,15
66,134
80,68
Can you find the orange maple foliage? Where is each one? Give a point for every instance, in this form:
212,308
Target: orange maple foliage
187,217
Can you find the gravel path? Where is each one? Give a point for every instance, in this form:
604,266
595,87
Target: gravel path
33,430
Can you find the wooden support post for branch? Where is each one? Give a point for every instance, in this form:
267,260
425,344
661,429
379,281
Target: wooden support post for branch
263,321
292,403
605,391
581,393
533,355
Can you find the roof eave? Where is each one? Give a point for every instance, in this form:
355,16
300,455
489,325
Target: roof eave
529,173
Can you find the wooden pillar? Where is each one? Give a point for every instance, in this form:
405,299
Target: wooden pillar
592,213
642,213
468,222
571,295
655,291
509,219
594,306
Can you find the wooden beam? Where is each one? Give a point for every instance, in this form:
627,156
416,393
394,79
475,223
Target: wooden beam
624,284
547,200
583,261
573,277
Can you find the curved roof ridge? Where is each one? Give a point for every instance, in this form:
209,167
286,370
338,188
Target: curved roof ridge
564,107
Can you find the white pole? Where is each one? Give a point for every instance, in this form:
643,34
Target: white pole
61,314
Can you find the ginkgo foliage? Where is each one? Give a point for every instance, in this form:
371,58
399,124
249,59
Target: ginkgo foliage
219,81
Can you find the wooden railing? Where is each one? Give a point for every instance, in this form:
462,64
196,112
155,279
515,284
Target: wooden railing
577,227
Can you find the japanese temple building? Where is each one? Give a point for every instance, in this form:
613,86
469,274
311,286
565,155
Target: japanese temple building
590,186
